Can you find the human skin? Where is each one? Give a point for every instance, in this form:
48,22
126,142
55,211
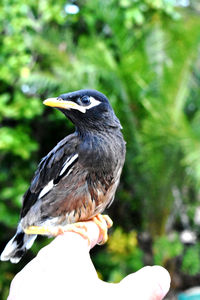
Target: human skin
64,270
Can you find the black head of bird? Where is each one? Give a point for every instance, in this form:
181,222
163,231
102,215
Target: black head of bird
78,178
87,109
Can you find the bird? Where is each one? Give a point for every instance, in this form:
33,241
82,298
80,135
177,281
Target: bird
77,180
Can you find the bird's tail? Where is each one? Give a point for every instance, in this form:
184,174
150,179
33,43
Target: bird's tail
17,246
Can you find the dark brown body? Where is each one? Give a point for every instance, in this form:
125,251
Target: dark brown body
87,190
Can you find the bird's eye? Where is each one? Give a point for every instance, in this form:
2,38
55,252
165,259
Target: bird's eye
85,100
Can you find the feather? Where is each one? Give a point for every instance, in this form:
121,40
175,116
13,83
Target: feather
17,246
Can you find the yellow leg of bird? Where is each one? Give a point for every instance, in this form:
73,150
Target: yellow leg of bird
78,227
38,230
103,222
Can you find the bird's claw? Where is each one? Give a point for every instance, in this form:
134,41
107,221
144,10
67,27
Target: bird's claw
103,222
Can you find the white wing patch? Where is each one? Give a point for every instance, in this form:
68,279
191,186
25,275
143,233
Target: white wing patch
46,189
68,162
66,167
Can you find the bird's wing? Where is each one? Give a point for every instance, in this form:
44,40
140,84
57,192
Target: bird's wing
51,165
51,169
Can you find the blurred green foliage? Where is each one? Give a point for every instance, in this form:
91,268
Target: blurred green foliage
144,55
191,262
122,257
165,248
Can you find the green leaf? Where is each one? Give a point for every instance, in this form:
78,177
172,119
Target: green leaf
17,141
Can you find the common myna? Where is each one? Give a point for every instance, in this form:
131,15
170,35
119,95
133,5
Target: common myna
78,178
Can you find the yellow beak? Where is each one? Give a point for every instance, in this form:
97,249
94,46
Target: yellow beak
54,102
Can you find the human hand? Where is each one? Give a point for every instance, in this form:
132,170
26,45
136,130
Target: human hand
63,270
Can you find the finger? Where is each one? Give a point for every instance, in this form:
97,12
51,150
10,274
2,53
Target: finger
70,251
149,283
72,240
67,256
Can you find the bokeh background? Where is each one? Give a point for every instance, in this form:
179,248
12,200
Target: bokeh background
145,56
